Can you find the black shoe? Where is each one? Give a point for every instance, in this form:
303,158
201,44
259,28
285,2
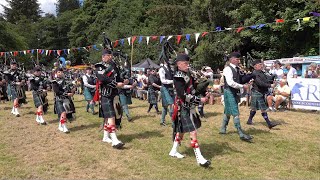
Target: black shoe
130,119
118,146
249,123
272,125
162,124
206,164
44,123
246,138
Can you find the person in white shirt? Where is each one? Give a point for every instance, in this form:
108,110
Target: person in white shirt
292,71
89,83
277,70
281,93
232,86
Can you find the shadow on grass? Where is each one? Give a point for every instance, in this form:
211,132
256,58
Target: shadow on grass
89,126
213,149
140,106
211,114
142,135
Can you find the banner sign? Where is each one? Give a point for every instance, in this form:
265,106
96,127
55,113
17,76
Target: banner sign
305,93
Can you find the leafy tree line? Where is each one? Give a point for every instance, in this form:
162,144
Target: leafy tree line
22,27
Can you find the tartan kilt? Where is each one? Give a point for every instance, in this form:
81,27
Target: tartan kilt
167,96
110,107
39,100
152,96
125,99
258,101
14,95
230,103
59,108
188,120
88,95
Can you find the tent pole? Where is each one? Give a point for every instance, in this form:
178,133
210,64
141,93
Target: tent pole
131,53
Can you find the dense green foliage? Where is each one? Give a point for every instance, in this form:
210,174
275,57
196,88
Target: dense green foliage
78,27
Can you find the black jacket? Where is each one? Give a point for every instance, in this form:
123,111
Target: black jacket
261,83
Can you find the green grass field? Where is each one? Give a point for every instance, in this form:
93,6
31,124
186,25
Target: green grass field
31,151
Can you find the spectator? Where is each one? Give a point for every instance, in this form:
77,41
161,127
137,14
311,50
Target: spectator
208,72
311,71
277,70
281,93
292,72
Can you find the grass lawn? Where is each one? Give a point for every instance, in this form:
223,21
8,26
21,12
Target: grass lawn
30,151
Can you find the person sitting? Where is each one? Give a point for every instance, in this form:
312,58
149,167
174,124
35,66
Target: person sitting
312,71
281,93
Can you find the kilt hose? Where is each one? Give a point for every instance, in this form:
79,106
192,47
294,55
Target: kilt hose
188,120
110,107
258,101
40,100
230,103
88,94
125,99
167,96
152,96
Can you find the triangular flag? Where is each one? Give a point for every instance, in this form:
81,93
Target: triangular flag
218,28
299,24
116,43
42,51
169,37
85,49
101,45
253,27
39,51
179,39
129,40
140,39
279,20
32,50
161,38
315,14
306,19
204,34
15,53
261,26
188,37
122,42
133,39
239,29
154,38
197,36
68,51
1,54
95,47
49,52
148,38
228,29
24,52
59,52
65,51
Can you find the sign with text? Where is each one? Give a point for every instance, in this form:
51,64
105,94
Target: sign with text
305,93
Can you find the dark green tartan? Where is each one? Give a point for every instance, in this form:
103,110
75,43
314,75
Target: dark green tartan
152,96
167,96
88,95
184,123
258,101
230,103
125,99
38,100
59,109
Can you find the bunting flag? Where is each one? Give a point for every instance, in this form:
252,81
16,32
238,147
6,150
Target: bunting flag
204,34
154,38
299,24
261,26
99,44
169,37
65,52
179,39
306,19
188,36
254,27
49,52
129,40
94,47
25,52
279,20
140,39
69,50
59,52
197,36
32,50
161,38
15,53
116,43
218,28
133,39
315,14
42,51
228,29
122,42
28,51
239,29
1,53
148,38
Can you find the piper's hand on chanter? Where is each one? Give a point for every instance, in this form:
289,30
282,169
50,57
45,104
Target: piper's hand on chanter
120,85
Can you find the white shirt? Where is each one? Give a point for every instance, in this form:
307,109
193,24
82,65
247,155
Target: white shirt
292,72
162,74
278,72
227,73
85,81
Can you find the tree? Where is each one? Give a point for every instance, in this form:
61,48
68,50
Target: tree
22,9
66,5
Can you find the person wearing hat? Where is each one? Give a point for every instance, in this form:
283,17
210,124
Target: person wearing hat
154,85
185,118
110,110
232,84
260,88
63,104
89,84
39,92
16,81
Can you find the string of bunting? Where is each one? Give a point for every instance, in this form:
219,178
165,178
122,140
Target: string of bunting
131,40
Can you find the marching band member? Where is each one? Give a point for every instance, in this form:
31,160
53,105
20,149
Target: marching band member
185,119
89,84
